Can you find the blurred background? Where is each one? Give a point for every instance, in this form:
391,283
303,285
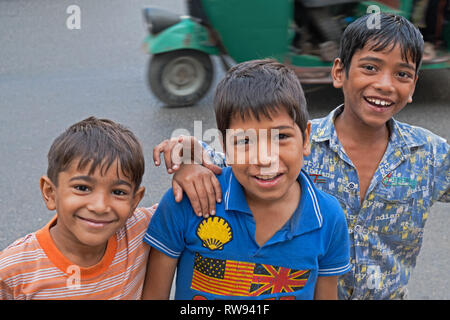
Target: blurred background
52,76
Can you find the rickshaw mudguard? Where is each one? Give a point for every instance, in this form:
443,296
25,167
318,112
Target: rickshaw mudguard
187,34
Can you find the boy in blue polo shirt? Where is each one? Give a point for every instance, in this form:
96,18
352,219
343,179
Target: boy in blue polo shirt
275,236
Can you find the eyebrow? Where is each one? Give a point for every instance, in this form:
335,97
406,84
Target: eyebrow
242,133
283,127
92,180
374,59
408,66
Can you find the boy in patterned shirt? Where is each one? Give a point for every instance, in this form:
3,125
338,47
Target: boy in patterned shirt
92,248
386,174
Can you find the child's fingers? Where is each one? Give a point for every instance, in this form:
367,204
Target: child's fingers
170,152
157,152
202,197
191,193
177,191
210,193
217,189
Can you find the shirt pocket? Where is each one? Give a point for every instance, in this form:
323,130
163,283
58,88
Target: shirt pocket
396,220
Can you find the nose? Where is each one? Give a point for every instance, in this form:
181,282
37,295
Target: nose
384,83
99,203
266,152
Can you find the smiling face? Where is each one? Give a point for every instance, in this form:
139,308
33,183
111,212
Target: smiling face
266,155
379,85
90,207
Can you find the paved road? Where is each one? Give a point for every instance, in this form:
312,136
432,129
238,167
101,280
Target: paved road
51,77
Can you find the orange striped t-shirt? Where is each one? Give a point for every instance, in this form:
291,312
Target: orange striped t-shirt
33,268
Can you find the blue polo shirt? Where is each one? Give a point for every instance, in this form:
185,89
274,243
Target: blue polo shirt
219,258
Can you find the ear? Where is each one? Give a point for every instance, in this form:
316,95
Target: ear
306,141
48,191
338,73
137,197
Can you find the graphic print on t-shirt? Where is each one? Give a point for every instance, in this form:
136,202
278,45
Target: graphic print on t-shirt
239,278
214,233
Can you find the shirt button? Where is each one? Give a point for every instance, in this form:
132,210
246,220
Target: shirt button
358,228
351,185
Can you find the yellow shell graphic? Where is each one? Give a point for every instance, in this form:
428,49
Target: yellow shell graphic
214,232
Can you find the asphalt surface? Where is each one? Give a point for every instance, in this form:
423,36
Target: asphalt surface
51,77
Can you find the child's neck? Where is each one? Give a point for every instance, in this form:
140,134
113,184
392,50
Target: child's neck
78,253
271,216
365,146
349,128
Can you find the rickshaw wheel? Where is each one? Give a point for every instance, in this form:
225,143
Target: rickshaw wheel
180,78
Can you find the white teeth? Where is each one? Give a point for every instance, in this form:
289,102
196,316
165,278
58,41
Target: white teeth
267,177
379,102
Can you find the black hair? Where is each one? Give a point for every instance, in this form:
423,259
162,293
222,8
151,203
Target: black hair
97,143
259,88
392,30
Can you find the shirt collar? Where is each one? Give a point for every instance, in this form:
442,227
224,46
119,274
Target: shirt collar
405,135
325,126
402,135
307,216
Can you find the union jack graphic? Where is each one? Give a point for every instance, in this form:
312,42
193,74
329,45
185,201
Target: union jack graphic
269,279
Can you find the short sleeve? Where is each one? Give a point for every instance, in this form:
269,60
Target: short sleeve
441,185
166,229
336,260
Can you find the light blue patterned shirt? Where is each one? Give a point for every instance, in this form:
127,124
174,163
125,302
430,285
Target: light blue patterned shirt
386,230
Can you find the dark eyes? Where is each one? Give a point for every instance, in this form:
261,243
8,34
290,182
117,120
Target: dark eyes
281,136
400,74
242,141
247,141
85,189
369,67
81,188
119,193
405,75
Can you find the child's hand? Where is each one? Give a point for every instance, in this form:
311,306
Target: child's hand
184,149
201,187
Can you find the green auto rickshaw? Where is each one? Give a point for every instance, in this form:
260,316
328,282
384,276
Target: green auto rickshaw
303,34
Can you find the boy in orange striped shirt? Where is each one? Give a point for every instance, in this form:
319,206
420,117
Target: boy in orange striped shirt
92,248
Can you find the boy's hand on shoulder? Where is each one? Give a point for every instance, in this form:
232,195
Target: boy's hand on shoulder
194,173
184,149
201,187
